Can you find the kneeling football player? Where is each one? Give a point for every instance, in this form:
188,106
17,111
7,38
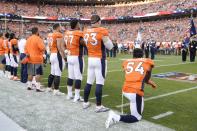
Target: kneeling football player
137,73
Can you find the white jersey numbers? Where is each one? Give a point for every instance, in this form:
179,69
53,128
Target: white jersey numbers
130,68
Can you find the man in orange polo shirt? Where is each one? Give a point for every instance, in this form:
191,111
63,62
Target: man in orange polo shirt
137,73
34,50
2,52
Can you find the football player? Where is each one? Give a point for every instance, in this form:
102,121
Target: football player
14,57
7,54
74,49
55,40
97,40
137,73
34,51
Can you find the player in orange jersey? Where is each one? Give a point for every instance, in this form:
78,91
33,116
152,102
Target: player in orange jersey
74,49
14,57
34,50
2,57
7,54
97,41
55,40
137,73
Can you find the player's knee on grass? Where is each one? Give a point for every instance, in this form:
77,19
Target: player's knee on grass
56,82
77,84
128,118
98,94
70,82
50,80
87,90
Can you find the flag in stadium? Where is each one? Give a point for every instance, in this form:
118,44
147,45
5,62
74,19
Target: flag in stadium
192,28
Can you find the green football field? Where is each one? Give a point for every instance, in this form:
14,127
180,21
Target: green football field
183,104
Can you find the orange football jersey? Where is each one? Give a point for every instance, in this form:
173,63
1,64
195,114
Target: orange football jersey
135,72
93,39
72,40
52,41
2,48
6,46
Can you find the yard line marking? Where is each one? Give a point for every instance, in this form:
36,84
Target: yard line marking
161,96
102,97
162,115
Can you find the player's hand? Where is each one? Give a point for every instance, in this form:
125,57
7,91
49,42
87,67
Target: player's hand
150,82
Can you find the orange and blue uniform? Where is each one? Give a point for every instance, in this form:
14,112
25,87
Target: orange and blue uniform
94,43
72,40
52,39
135,73
57,62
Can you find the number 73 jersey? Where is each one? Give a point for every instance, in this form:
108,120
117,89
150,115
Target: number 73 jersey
93,38
135,73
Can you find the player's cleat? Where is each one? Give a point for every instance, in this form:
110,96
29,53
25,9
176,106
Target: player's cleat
39,90
57,93
101,109
112,119
78,100
69,97
86,105
29,88
48,90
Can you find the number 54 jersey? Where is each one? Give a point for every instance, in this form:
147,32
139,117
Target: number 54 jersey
135,73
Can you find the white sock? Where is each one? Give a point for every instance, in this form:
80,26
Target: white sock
1,73
117,117
29,84
77,93
34,81
69,89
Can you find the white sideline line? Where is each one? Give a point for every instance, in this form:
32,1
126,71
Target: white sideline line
160,96
162,115
102,97
7,124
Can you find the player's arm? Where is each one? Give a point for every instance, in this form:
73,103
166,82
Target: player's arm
59,47
64,50
107,42
82,41
148,79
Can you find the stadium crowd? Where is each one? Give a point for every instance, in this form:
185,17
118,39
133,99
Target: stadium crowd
167,33
172,30
86,11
